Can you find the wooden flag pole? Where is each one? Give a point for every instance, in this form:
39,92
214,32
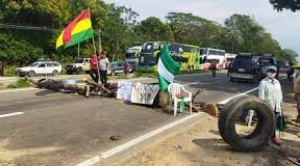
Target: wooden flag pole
95,51
100,41
78,51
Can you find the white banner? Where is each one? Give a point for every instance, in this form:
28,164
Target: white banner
144,93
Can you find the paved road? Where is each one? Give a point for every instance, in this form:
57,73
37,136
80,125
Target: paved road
59,129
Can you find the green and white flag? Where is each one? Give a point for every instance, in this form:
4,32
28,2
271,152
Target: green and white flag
168,68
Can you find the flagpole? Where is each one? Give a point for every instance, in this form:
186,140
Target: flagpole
78,51
100,41
95,50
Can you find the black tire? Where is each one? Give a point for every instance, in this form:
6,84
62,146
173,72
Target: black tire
31,73
55,73
231,79
79,70
261,134
69,72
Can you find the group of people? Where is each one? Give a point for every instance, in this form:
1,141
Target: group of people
98,67
271,92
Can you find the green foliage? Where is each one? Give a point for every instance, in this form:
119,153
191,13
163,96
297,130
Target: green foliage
153,28
279,5
22,83
120,30
10,71
289,55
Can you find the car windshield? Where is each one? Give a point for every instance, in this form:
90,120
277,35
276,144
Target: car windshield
130,55
243,61
79,61
34,64
265,61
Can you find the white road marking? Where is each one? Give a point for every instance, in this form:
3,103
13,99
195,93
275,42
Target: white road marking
11,114
142,138
205,83
241,94
244,93
134,142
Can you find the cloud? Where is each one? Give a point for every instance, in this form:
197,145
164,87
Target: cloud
284,26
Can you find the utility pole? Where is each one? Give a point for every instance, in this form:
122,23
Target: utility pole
78,51
100,41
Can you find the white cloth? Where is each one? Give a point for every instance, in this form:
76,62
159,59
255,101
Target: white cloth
124,90
270,91
103,63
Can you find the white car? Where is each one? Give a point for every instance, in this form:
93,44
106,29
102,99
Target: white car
40,68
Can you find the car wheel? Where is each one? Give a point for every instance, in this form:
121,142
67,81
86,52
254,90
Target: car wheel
55,73
31,73
231,79
79,70
263,131
70,72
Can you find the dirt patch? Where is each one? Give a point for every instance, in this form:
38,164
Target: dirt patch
200,144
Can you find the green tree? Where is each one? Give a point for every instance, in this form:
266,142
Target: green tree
191,29
250,30
279,5
118,30
51,14
289,55
152,29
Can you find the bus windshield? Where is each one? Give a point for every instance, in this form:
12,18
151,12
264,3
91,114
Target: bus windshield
130,55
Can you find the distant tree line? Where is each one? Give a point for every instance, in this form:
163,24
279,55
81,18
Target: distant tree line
21,43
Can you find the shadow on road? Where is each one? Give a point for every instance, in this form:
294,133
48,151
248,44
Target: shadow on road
46,92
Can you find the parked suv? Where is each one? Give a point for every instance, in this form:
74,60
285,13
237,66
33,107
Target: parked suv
251,67
39,68
80,66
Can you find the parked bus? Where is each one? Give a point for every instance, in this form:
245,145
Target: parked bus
186,55
210,55
133,53
229,58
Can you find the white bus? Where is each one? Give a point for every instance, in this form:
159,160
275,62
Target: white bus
210,55
229,58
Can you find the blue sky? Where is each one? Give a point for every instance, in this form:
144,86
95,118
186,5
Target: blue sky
284,26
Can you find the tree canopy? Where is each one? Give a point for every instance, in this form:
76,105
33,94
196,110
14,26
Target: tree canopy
29,29
293,5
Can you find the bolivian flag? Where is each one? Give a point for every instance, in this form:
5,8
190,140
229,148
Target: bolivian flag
77,31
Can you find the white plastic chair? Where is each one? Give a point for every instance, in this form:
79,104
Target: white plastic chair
174,89
250,118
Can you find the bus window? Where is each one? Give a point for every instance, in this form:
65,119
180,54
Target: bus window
203,51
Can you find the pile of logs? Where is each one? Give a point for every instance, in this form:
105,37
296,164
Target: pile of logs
108,90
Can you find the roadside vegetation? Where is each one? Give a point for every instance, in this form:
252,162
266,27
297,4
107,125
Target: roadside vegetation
21,83
29,30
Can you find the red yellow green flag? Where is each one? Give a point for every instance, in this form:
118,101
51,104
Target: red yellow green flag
77,31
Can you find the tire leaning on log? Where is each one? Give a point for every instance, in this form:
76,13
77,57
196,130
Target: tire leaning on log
261,134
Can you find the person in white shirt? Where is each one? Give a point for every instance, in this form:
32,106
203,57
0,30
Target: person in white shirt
270,91
103,66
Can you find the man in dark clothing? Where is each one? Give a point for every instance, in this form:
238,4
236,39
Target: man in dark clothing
103,65
213,68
